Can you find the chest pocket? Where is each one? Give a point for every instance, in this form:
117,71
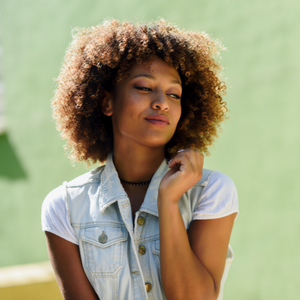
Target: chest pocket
104,248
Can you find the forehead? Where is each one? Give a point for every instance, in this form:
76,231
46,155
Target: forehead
156,68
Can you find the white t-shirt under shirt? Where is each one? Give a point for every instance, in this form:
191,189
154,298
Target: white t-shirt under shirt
219,199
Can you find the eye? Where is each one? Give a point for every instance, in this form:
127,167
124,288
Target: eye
175,96
143,88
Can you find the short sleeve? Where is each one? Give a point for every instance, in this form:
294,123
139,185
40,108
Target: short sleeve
219,198
55,217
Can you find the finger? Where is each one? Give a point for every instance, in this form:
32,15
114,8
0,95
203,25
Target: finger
196,159
193,155
199,158
197,162
179,159
181,153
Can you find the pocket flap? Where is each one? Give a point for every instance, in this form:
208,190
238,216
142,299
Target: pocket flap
105,235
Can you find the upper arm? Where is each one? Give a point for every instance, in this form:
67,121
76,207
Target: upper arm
209,241
65,259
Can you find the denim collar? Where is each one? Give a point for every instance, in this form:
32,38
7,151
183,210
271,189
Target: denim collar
111,189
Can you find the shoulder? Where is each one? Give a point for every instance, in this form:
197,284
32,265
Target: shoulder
215,180
212,175
56,198
220,187
91,176
220,181
54,215
206,174
55,201
218,198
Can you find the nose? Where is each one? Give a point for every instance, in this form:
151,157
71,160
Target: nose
160,102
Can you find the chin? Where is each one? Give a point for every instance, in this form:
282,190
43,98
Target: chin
155,142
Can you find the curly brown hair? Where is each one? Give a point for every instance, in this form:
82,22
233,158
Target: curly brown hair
101,55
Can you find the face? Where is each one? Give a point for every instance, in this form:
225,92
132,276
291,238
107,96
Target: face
146,106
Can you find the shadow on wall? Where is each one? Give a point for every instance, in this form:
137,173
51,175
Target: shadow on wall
10,166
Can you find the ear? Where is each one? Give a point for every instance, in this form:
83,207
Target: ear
107,104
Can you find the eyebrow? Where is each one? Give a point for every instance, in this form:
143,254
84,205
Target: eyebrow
152,77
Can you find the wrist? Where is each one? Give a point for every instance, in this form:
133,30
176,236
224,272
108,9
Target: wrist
166,202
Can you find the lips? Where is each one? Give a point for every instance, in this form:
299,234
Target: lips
159,120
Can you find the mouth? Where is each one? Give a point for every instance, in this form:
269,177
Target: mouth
158,120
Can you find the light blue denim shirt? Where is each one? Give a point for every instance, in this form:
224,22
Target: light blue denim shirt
110,247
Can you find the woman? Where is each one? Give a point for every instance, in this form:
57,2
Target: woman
136,96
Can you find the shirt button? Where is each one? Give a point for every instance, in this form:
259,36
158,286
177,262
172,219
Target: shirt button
142,249
141,220
103,238
148,287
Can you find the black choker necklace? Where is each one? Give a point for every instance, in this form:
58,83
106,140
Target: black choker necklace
135,183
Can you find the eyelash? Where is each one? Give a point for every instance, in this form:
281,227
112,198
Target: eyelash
176,96
142,88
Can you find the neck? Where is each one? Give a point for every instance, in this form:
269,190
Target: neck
137,165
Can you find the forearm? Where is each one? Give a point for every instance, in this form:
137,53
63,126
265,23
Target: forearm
183,275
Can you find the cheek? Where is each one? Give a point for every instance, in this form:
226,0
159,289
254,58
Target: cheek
178,113
126,112
121,106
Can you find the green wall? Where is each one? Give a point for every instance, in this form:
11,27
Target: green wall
259,146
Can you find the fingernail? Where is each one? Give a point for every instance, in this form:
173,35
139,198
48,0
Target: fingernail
180,150
169,161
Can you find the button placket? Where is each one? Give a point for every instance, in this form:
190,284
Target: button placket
140,221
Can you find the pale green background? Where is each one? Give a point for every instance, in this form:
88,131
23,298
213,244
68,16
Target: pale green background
258,149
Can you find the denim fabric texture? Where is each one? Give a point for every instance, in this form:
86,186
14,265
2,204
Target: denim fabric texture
99,211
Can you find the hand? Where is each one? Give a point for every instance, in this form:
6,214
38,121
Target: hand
186,170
